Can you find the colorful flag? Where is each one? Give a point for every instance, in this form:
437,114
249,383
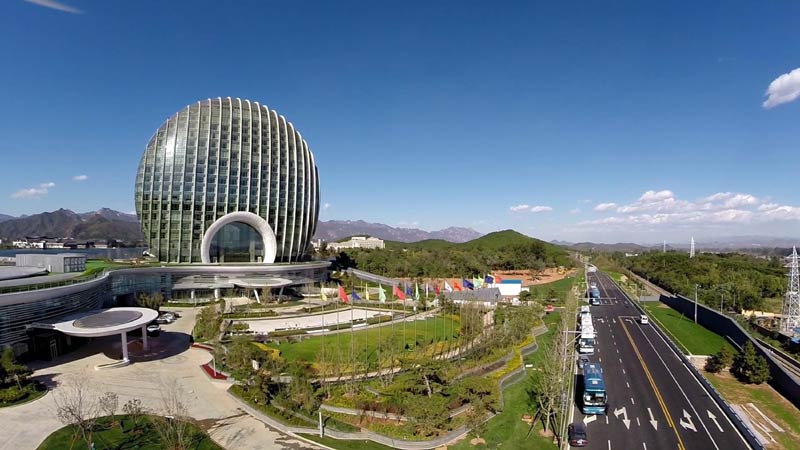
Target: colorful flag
381,293
416,292
497,279
457,286
447,286
366,291
488,279
436,288
343,294
322,292
467,284
408,288
398,293
355,296
477,282
427,286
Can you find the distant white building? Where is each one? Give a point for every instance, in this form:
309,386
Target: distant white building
358,242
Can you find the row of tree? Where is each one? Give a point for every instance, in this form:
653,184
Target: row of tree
735,280
747,365
451,261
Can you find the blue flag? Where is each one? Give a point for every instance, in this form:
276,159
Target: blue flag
408,289
488,279
467,284
355,296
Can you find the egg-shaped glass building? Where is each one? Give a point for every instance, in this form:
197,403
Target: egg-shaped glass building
227,181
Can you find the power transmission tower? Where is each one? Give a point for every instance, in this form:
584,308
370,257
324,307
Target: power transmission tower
791,308
691,248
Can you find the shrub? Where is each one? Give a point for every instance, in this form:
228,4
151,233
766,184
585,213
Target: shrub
722,359
12,394
750,367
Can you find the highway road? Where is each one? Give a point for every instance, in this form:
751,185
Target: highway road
655,402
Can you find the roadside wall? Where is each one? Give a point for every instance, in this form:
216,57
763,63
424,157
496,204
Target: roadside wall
727,327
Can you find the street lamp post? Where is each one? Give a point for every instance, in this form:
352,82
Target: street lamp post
695,302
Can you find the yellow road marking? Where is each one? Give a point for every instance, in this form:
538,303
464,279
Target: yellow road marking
653,385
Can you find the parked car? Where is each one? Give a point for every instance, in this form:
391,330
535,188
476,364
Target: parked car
165,318
153,330
549,308
644,320
582,361
577,434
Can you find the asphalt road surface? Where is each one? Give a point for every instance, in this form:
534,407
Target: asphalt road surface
655,402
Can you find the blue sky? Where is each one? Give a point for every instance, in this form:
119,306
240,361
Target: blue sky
431,114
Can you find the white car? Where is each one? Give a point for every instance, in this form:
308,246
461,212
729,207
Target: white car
644,320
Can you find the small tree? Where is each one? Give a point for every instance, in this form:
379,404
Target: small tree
13,369
108,403
76,406
173,424
134,409
720,360
152,301
751,367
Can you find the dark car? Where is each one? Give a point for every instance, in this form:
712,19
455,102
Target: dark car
582,361
577,434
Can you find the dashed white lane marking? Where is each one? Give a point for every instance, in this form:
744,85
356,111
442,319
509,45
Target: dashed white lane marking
623,371
628,384
633,402
637,422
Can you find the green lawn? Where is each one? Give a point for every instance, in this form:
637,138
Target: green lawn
556,289
98,265
109,435
433,329
691,337
346,445
776,407
507,430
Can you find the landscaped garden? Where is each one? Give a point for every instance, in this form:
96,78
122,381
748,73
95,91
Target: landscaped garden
15,385
131,432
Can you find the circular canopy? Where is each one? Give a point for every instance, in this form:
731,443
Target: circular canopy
261,282
106,322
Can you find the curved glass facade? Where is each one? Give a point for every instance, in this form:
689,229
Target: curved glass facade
237,242
220,156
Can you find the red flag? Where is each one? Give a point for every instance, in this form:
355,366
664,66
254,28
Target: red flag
398,293
497,279
436,288
343,294
456,286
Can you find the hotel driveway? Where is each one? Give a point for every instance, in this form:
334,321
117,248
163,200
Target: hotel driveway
171,361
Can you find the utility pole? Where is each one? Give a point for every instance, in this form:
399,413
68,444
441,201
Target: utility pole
695,299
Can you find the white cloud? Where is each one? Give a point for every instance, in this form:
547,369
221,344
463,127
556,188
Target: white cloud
538,209
326,206
518,208
784,89
575,211
58,6
662,211
605,206
34,192
80,178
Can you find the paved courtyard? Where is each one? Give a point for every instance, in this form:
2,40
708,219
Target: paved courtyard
170,362
265,326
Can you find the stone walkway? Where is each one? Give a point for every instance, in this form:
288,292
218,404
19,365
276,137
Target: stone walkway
170,362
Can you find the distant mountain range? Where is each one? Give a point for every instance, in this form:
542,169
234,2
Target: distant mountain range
102,224
722,244
106,223
334,230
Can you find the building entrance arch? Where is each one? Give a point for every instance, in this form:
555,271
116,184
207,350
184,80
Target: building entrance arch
258,223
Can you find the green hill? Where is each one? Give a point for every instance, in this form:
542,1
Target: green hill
501,250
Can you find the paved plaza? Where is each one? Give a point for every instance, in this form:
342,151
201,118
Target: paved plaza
170,361
264,326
